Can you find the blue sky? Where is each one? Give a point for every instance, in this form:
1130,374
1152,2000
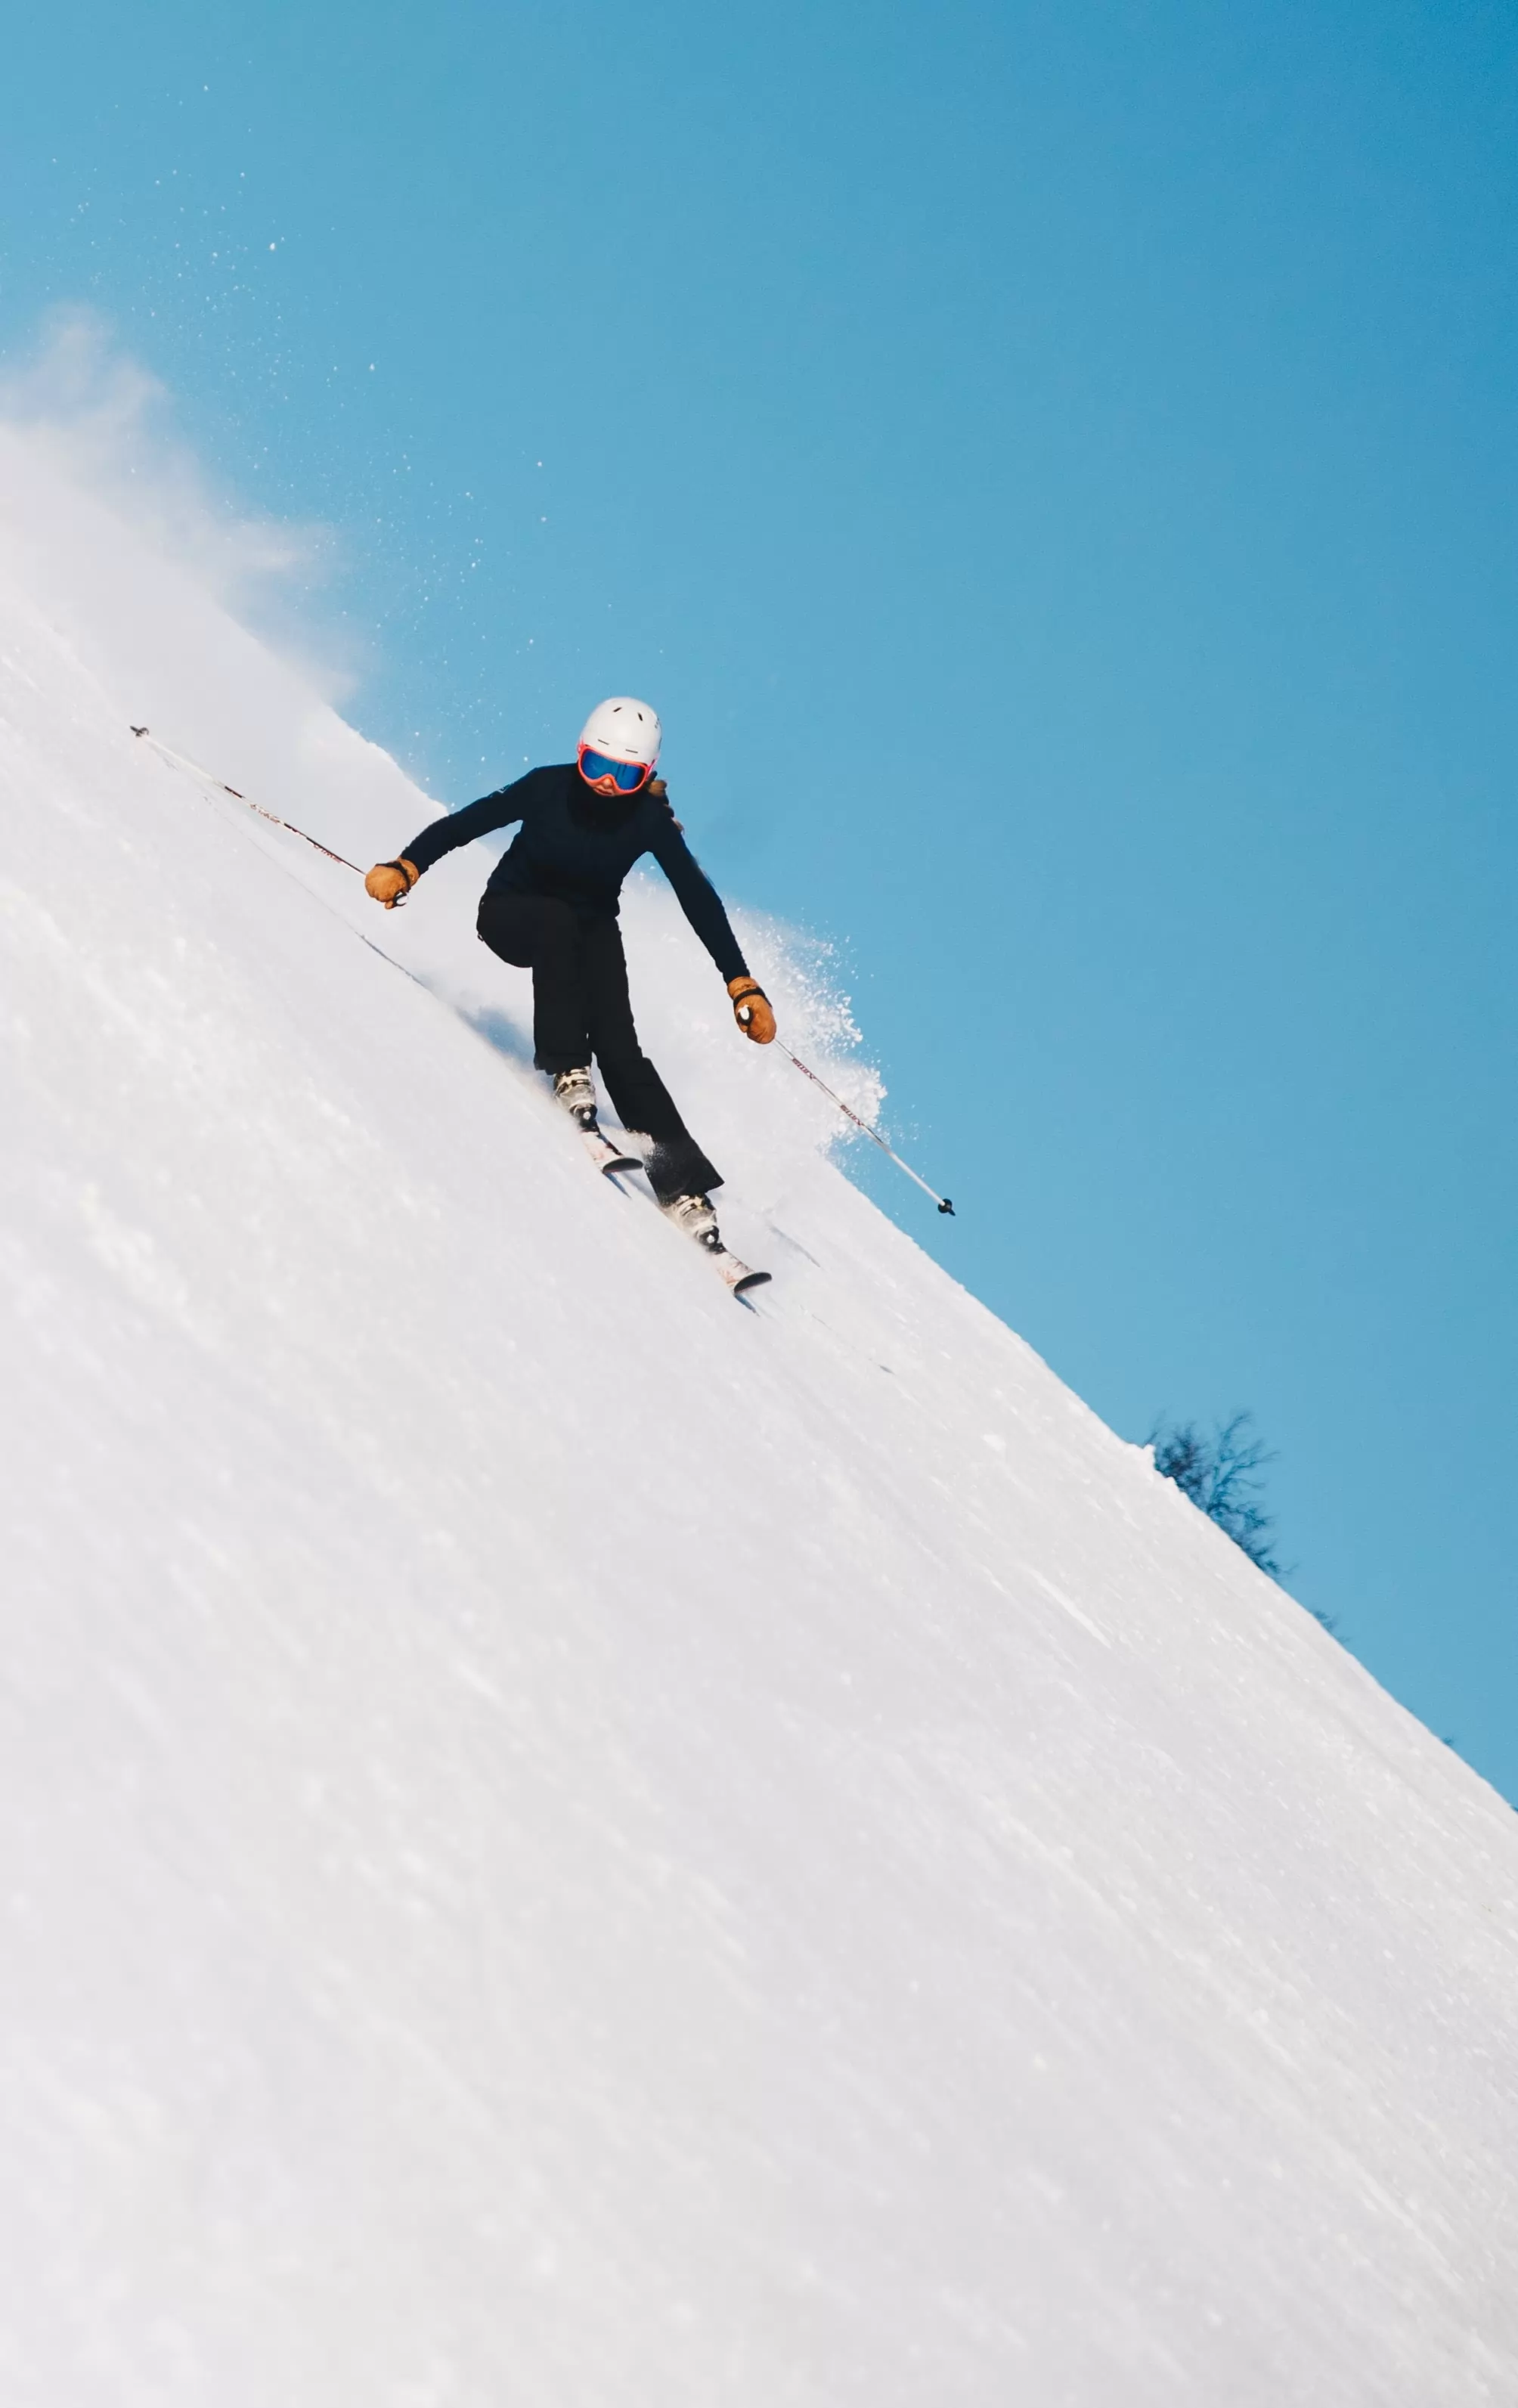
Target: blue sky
1054,469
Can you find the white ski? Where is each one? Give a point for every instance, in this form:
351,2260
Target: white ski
731,1272
605,1156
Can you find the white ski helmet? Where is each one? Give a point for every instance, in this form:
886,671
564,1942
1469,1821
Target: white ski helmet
622,729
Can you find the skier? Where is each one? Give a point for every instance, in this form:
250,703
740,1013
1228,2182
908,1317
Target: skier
550,906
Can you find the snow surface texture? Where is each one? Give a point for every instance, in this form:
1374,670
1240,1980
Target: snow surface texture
564,1841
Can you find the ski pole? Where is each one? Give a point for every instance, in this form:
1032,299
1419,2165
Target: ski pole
941,1201
181,761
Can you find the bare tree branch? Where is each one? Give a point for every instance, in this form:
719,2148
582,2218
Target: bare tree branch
1221,1476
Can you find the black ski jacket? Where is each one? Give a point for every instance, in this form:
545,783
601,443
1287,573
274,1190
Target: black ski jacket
577,847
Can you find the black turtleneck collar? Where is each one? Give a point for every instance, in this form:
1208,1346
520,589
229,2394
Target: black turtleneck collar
607,814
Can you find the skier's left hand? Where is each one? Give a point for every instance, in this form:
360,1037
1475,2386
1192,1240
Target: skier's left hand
391,881
751,1010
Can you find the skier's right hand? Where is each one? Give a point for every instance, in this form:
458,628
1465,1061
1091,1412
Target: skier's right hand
752,1009
391,881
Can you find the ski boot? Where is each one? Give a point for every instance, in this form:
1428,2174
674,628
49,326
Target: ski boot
576,1091
696,1216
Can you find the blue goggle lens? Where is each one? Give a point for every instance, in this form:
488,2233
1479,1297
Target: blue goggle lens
629,775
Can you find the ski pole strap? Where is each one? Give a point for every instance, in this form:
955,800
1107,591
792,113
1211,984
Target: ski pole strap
194,769
941,1201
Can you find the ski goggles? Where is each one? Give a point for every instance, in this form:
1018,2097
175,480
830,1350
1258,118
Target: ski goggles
629,775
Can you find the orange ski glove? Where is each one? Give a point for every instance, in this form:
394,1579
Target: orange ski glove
391,881
751,1010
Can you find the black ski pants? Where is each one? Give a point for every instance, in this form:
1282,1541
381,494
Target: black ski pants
581,1008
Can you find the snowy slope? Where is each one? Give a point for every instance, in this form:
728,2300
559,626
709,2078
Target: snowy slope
564,1841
